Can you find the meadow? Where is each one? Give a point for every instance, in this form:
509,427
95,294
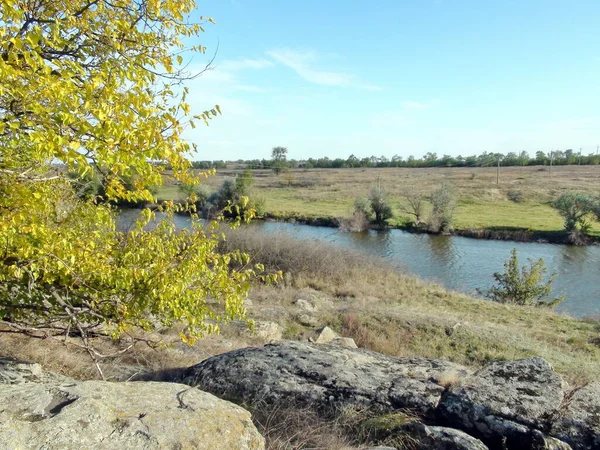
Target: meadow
519,201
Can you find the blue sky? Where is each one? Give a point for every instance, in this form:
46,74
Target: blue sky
385,77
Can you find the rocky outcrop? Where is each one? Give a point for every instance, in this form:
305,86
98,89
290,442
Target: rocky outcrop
43,410
505,400
323,376
578,422
425,437
517,405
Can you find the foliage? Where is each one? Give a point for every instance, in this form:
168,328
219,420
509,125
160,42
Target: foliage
231,199
576,208
415,204
524,286
90,85
279,160
443,201
380,205
376,208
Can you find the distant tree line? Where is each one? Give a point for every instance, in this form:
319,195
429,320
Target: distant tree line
485,159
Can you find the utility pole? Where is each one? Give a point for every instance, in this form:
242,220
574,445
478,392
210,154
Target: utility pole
498,173
580,148
597,148
551,159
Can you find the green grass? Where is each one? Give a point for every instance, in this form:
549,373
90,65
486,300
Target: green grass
481,203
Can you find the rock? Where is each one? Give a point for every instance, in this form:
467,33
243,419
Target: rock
269,331
503,402
325,336
579,419
305,305
323,376
53,412
543,442
307,320
16,371
266,330
425,437
344,342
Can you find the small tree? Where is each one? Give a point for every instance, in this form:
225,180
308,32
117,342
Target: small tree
414,206
380,205
279,157
523,286
443,201
576,208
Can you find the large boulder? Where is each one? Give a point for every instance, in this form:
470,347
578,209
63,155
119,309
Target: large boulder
325,377
423,437
504,402
42,410
578,422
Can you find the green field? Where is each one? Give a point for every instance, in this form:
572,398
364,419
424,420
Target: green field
482,204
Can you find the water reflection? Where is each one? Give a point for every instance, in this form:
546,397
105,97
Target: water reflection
467,265
462,264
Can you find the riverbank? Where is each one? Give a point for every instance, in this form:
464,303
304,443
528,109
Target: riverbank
516,206
358,297
495,233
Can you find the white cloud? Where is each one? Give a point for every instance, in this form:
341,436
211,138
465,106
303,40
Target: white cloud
242,64
301,62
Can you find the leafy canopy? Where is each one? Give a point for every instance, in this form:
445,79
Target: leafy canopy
88,87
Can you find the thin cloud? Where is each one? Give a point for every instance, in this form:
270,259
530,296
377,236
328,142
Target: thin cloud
301,62
236,65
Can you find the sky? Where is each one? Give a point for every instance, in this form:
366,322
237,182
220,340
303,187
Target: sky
397,77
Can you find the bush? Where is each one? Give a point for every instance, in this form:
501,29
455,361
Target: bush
380,205
515,196
576,208
524,286
443,201
232,198
415,205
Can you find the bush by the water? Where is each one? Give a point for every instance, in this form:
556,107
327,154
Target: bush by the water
523,286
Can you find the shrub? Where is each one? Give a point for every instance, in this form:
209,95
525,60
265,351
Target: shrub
515,196
380,205
523,286
443,201
576,208
415,203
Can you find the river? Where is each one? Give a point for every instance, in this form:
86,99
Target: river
464,264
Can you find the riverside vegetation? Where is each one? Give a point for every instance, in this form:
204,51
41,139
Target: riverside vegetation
518,207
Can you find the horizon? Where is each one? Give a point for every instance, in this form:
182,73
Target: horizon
397,78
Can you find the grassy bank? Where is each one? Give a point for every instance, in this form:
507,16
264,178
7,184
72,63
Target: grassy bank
518,204
360,297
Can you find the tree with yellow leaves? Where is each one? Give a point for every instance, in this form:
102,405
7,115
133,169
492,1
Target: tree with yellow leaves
88,87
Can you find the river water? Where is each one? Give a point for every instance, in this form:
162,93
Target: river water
464,264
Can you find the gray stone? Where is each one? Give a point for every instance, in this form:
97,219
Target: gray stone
344,342
323,376
504,401
305,305
307,320
269,331
578,422
53,412
425,437
325,336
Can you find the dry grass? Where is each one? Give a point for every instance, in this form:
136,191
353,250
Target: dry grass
362,298
395,314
